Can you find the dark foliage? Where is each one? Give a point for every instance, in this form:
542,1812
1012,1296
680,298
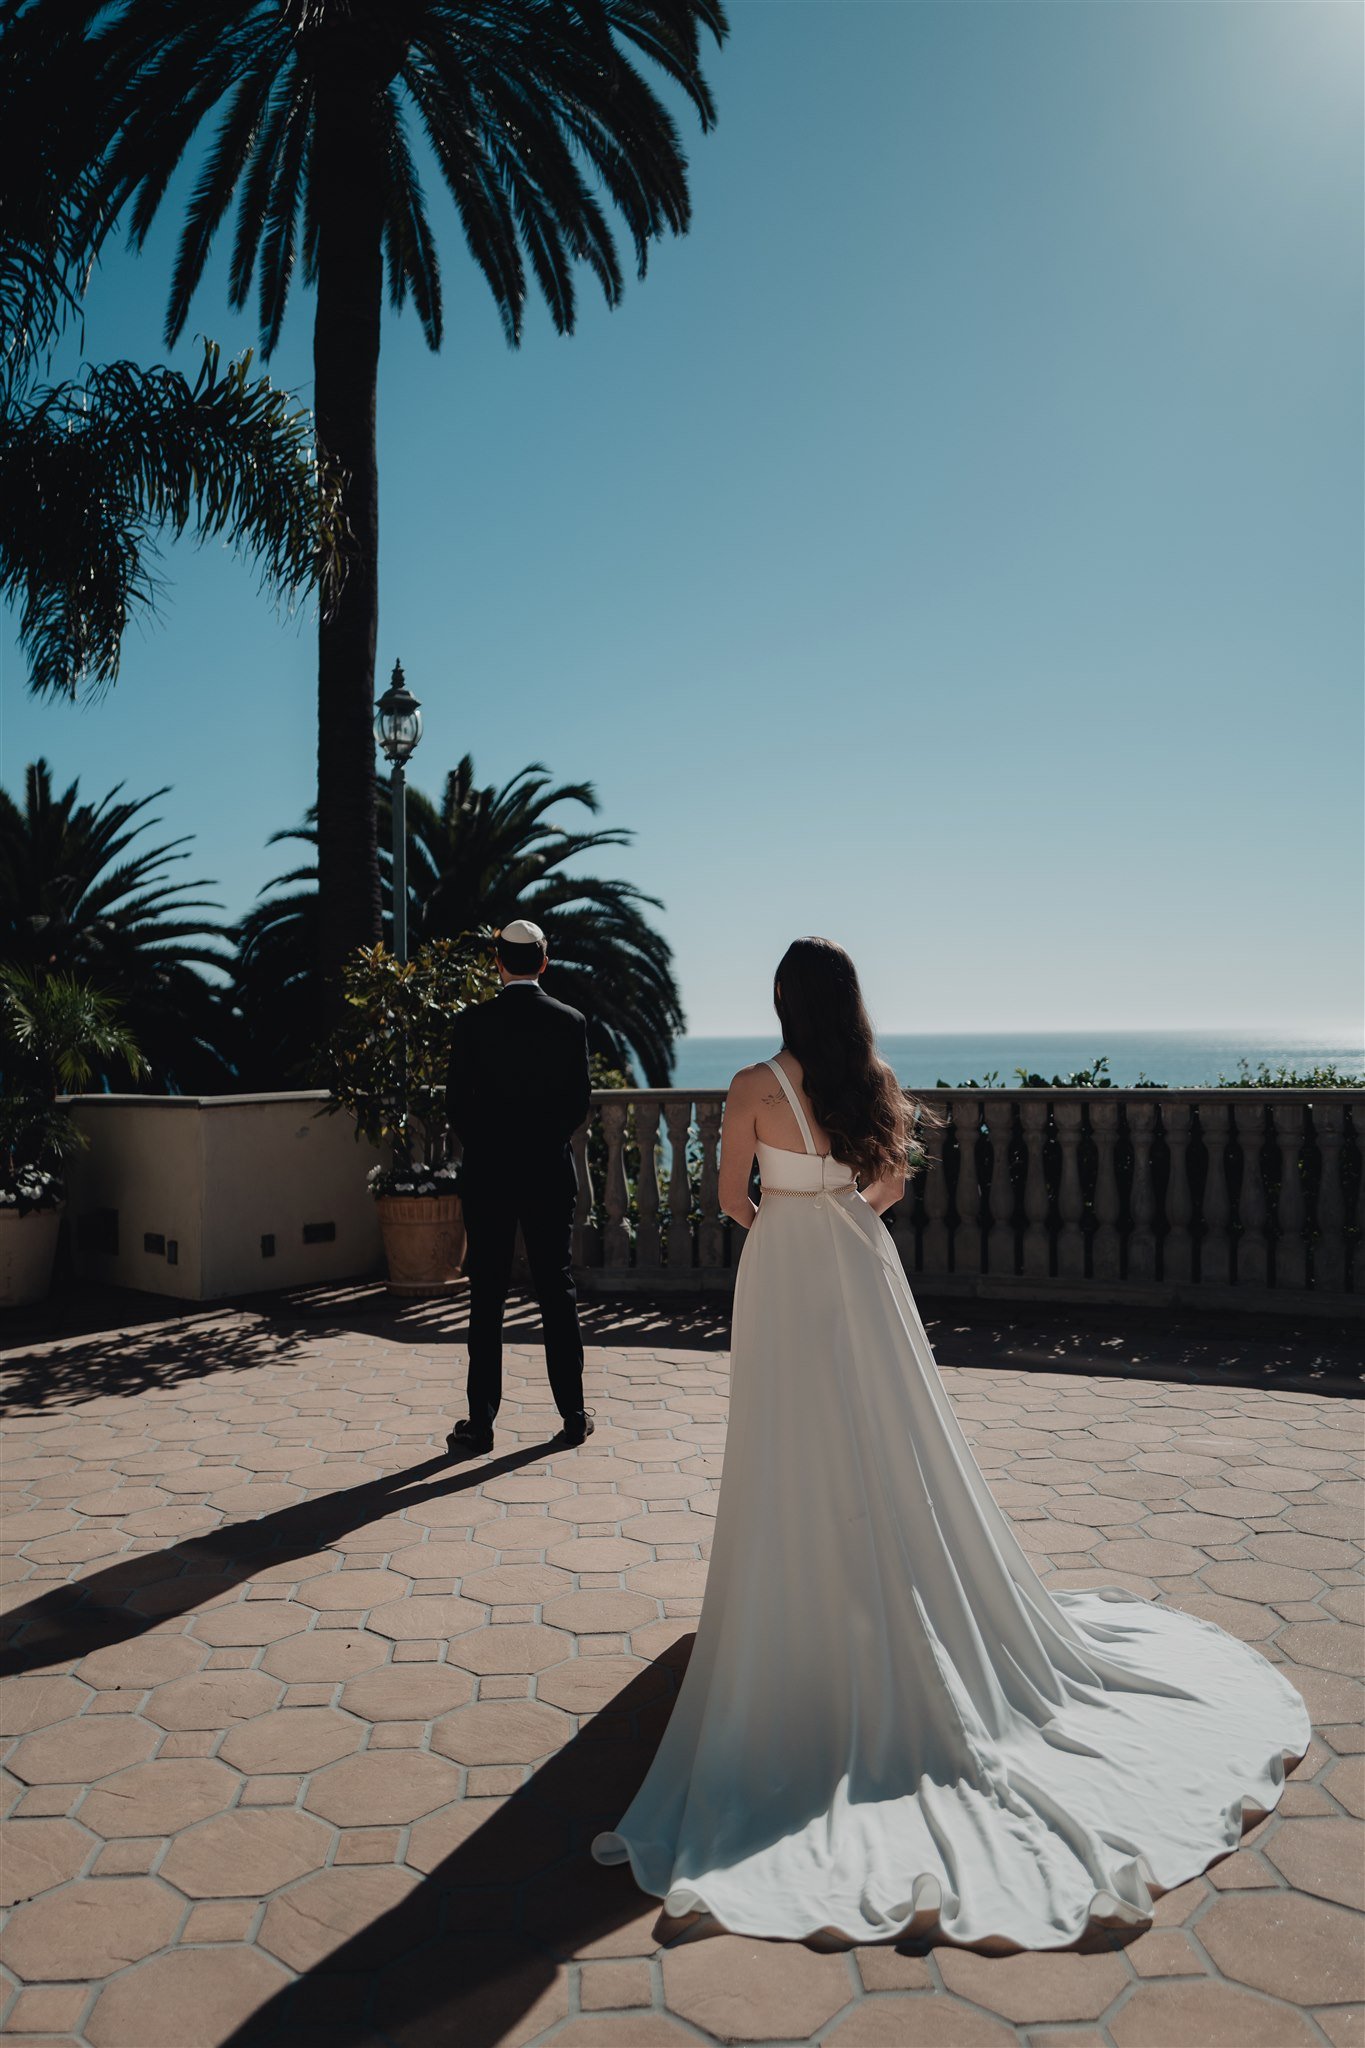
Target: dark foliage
478,858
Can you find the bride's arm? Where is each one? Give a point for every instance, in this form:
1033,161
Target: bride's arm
884,1194
738,1138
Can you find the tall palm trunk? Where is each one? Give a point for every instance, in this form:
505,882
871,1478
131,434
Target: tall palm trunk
348,171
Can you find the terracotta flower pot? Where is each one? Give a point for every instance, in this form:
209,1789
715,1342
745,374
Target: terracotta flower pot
28,1245
424,1242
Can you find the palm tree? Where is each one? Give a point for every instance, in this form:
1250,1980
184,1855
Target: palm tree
479,858
94,469
79,899
535,115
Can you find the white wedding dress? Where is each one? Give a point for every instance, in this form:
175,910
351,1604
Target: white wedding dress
887,1717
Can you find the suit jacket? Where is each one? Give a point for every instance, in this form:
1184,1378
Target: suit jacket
518,1085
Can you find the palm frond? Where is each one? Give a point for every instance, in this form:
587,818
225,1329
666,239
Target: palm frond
92,471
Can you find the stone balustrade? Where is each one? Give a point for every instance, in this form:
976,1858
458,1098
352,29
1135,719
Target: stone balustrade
1220,1197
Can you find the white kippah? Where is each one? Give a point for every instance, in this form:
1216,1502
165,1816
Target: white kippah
521,932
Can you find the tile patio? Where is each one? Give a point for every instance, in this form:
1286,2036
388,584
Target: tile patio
305,1730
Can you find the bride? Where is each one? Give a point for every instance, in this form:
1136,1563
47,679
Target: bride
887,1717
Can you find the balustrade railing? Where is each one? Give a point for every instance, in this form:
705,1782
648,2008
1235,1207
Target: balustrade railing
1224,1197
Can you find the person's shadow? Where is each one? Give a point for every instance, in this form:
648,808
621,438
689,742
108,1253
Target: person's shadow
480,1939
71,1620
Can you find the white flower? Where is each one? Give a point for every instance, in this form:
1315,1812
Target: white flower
403,1187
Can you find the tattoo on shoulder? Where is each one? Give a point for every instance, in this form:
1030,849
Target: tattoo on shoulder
774,1101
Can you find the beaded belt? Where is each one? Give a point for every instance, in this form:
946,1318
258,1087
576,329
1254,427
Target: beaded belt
836,1188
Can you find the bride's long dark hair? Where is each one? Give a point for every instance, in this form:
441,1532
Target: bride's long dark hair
856,1097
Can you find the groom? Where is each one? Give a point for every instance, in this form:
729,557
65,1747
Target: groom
517,1090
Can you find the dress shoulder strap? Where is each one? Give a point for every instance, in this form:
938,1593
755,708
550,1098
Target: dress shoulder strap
794,1100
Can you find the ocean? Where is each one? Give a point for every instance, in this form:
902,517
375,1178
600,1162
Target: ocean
1180,1059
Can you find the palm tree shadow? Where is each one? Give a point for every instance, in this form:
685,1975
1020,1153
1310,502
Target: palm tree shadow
482,1937
71,1621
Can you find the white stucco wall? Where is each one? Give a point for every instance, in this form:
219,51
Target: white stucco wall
212,1176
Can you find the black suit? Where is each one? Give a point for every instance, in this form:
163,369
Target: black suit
517,1091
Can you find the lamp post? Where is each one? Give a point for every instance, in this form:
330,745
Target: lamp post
398,727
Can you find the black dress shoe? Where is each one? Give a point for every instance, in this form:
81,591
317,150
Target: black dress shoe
576,1432
467,1440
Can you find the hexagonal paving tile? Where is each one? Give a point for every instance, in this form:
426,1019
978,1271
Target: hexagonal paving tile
382,1788
425,1616
157,1798
297,1739
519,1532
246,1854
513,1486
357,1591
1322,1857
510,1646
1029,1988
1326,1645
213,1699
37,1854
38,1702
325,1654
142,1662
598,1554
250,1624
1346,1783
1192,2009
516,1584
191,1998
438,1559
746,1990
488,1842
604,1612
408,1692
584,1685
900,2022
89,1929
78,1752
500,1732
1293,1948
356,1909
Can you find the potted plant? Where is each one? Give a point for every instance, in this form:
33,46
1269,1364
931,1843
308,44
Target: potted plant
51,1027
387,1069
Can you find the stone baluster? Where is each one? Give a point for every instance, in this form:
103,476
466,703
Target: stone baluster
1355,1118
1291,1248
934,1235
911,1209
1251,1205
1141,1114
967,1195
647,1108
615,1196
1215,1241
1104,1250
1037,1251
1329,1250
585,1249
1070,1201
712,1246
1000,1243
1177,1256
679,1121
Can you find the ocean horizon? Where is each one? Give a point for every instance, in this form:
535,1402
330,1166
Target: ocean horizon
1180,1059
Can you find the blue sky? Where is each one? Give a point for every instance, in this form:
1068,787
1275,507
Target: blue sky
953,546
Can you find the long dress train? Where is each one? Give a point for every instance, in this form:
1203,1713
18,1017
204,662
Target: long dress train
887,1717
